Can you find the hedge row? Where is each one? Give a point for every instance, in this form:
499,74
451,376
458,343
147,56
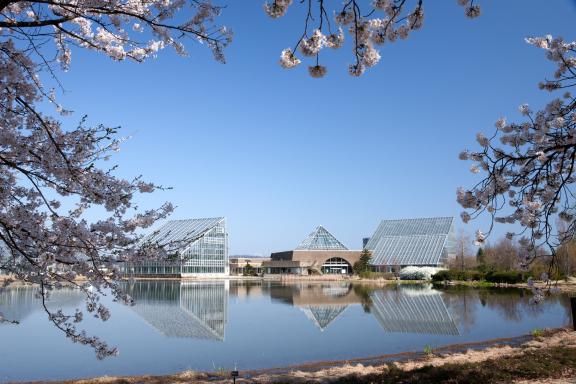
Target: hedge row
510,277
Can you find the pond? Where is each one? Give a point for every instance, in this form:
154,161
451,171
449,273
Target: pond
214,325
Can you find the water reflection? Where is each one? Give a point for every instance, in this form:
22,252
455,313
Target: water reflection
178,325
413,309
322,316
18,302
512,305
321,303
199,309
404,309
182,309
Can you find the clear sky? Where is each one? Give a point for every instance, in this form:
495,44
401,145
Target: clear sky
278,152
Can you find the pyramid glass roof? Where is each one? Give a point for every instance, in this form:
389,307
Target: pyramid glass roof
320,239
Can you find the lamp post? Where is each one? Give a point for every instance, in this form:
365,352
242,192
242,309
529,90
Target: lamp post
573,305
234,375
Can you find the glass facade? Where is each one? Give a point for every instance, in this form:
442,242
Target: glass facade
200,246
424,242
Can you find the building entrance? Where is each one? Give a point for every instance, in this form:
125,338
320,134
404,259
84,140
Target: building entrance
336,266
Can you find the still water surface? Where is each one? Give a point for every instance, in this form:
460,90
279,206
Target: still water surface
176,325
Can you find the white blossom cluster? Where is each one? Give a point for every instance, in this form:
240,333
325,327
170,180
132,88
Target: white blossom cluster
472,10
529,166
51,177
135,29
540,292
278,8
418,273
379,22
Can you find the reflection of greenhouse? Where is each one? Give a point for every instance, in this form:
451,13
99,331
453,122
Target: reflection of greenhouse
183,309
412,311
323,315
322,303
20,301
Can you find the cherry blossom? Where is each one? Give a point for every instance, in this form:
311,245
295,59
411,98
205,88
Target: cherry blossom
529,166
50,176
370,24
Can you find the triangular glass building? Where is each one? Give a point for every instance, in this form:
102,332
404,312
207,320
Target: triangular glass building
320,239
319,253
194,247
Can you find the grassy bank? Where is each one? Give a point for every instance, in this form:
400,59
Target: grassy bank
562,286
549,356
549,363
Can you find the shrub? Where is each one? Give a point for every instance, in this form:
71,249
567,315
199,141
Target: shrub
537,332
452,274
376,275
249,270
511,277
445,275
417,273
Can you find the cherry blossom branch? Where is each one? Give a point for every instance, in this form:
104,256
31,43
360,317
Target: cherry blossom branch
533,171
367,29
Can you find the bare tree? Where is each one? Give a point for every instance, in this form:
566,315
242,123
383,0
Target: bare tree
503,255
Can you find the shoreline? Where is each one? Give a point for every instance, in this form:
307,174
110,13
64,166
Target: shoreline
407,364
562,285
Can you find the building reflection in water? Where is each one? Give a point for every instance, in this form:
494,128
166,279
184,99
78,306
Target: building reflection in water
322,303
17,302
182,309
412,310
322,316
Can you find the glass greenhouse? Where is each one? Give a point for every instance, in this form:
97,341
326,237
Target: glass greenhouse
420,242
195,247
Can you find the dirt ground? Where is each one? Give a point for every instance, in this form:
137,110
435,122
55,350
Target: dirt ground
426,368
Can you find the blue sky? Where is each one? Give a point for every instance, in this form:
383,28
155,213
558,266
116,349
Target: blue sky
278,152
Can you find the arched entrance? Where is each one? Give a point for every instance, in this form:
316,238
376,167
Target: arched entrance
336,266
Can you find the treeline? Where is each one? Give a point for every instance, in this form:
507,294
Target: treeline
500,263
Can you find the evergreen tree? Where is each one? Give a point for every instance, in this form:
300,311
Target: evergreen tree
363,264
249,270
481,258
